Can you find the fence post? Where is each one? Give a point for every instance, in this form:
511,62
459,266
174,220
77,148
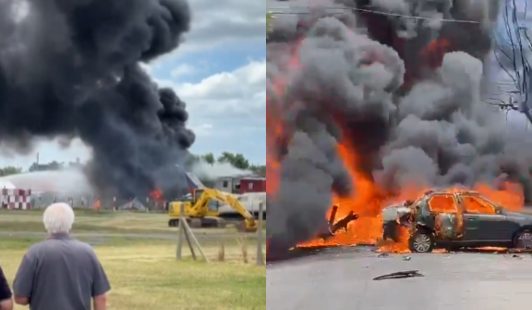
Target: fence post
180,231
260,256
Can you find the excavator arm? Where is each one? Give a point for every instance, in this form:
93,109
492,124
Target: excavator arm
209,193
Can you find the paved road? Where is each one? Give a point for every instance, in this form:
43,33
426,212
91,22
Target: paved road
343,280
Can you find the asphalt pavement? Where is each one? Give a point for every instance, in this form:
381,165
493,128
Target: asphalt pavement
343,279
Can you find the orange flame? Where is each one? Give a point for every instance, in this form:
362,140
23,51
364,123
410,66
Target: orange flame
401,246
365,201
156,195
433,53
97,205
368,200
275,127
510,196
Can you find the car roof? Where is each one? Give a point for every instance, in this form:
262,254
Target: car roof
454,191
464,192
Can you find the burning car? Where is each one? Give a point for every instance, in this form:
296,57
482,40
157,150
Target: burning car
456,219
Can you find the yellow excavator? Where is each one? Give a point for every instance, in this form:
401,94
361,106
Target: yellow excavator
201,210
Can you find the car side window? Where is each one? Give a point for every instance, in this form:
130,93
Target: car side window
477,206
442,204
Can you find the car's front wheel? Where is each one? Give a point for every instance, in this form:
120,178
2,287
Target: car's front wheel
421,242
523,239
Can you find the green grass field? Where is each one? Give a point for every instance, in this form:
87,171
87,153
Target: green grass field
137,251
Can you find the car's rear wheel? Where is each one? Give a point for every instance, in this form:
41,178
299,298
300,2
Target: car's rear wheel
523,239
421,242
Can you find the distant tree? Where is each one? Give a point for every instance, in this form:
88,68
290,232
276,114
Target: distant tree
9,171
54,165
259,170
226,157
209,158
236,160
34,167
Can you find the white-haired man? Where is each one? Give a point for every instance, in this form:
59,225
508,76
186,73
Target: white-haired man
60,273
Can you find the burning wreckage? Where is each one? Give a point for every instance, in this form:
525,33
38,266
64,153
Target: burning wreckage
375,103
455,219
336,226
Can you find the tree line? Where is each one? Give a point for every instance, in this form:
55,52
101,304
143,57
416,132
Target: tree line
236,160
9,171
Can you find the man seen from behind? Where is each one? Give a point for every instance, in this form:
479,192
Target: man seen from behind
60,273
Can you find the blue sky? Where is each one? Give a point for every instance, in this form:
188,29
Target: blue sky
219,71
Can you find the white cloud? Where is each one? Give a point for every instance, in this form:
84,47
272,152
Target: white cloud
226,19
227,109
226,95
244,81
202,130
183,70
222,22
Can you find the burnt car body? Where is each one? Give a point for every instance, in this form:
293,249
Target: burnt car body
457,219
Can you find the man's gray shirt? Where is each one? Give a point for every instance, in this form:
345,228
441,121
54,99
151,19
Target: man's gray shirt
60,274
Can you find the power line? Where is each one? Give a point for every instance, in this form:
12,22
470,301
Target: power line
281,11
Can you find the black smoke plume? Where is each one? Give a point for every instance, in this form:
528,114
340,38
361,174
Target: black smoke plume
72,68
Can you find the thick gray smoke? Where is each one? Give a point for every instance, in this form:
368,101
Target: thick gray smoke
341,73
431,14
446,135
413,120
433,11
71,68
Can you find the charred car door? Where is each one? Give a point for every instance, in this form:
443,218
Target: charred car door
446,218
483,223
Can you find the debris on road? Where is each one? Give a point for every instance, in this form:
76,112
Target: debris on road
407,258
383,255
400,275
334,227
344,222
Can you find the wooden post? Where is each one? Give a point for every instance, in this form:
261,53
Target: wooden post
185,230
180,231
194,240
260,256
190,245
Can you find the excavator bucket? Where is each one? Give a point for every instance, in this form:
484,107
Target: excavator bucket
246,226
